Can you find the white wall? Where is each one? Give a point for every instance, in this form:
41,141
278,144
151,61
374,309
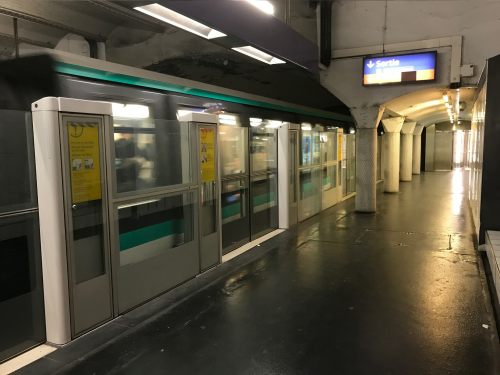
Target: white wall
361,24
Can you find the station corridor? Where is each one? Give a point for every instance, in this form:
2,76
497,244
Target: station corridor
399,292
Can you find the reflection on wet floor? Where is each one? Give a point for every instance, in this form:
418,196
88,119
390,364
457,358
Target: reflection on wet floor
397,292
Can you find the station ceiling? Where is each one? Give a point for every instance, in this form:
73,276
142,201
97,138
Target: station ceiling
43,23
428,106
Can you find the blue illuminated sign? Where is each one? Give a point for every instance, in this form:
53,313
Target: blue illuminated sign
416,67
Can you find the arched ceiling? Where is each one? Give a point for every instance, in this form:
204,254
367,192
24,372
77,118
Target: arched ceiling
428,106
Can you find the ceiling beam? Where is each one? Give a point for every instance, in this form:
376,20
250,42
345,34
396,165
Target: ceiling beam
150,23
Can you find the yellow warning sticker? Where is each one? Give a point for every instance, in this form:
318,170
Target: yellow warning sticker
84,156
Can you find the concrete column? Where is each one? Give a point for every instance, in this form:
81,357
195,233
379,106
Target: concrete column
417,149
367,119
392,129
406,151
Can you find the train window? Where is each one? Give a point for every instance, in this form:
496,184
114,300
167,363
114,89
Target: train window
233,150
148,229
263,146
149,152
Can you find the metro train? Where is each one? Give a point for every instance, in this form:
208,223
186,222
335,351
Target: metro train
165,182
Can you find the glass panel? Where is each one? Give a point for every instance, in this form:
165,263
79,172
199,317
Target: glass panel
148,229
235,221
86,196
310,147
233,150
233,200
17,177
263,148
310,192
150,153
329,146
329,177
264,200
22,319
351,163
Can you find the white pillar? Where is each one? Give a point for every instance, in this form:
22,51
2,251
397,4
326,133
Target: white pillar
417,148
406,151
367,119
392,128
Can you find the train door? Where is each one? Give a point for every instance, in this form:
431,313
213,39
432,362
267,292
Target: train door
207,156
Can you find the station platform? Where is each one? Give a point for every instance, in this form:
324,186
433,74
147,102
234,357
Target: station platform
399,292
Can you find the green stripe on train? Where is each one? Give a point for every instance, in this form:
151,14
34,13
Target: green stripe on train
83,71
231,210
150,233
263,199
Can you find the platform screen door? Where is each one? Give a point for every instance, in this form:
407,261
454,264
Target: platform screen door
87,221
209,194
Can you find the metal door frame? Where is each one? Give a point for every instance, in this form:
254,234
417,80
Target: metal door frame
195,162
295,131
259,174
66,177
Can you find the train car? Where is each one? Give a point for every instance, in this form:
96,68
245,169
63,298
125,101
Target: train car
145,181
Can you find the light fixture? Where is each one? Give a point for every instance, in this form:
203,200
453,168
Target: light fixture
176,19
258,55
263,5
305,126
446,99
227,119
130,110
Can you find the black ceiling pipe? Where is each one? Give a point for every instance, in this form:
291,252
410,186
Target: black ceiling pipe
325,33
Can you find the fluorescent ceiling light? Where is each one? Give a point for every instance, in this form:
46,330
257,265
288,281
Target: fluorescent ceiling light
306,126
176,19
130,110
258,55
263,5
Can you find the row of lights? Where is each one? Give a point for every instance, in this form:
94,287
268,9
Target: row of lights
178,20
453,110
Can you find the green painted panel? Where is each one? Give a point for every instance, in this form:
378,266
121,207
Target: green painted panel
150,233
82,71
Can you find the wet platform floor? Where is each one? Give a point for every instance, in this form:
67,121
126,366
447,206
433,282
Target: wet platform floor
398,292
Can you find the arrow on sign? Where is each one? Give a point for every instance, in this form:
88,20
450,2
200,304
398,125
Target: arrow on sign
370,64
